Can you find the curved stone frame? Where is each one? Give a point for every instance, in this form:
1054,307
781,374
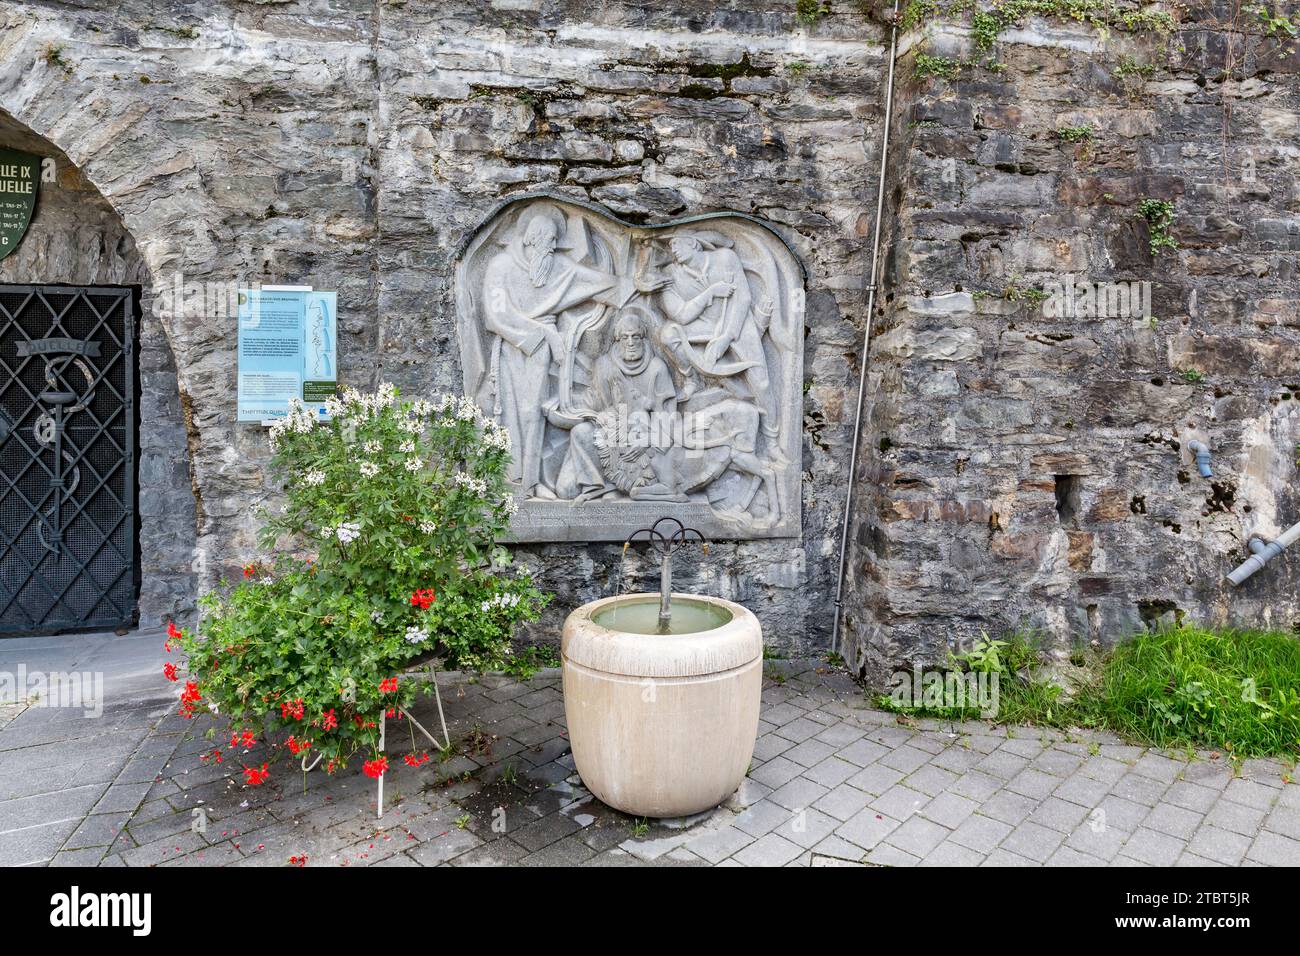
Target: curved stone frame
763,465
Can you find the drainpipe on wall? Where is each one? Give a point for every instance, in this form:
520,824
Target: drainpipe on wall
866,335
1202,453
1264,552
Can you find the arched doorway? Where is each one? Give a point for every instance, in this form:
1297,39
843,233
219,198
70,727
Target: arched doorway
96,501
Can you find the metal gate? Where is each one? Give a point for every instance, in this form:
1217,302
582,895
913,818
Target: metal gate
68,554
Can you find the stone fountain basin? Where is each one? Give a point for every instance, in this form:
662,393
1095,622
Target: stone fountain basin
662,725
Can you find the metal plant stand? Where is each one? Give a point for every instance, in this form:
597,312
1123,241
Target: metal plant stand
383,736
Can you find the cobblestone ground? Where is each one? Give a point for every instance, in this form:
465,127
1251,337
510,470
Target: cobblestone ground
833,783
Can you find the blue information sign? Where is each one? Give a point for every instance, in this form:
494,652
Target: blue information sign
288,340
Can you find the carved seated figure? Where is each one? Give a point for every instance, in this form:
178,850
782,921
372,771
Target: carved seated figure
624,444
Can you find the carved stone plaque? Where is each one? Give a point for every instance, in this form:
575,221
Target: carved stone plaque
640,371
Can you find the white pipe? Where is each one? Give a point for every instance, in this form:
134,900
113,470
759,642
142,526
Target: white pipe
1265,553
866,335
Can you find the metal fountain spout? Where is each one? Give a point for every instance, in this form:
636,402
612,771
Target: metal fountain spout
668,542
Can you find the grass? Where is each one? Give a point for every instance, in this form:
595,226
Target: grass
1234,690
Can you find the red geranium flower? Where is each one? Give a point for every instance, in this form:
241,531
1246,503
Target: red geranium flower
297,746
417,760
422,598
388,685
250,570
375,768
330,721
294,710
169,671
190,694
254,777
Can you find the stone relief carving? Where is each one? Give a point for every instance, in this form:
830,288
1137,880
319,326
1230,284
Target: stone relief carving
639,370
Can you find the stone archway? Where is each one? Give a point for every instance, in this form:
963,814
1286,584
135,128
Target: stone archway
77,238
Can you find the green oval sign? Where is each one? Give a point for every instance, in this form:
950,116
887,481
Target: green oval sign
20,175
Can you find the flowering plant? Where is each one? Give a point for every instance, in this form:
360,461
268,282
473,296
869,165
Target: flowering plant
401,503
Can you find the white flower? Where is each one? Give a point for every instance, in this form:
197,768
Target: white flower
510,504
496,436
412,426
502,599
299,419
376,616
369,469
428,527
407,447
422,408
348,532
416,635
476,485
413,464
313,477
372,447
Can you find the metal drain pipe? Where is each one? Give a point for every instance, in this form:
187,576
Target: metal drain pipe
866,335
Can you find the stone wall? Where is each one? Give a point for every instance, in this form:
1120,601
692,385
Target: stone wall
355,145
1033,468
1017,469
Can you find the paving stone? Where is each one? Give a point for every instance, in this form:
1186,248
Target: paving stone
931,780
1008,807
1250,793
1191,859
1273,849
1236,817
770,850
958,759
1001,857
842,802
918,836
886,855
1002,764
719,844
841,734
1139,789
1066,855
1059,763
799,730
1221,846
900,802
777,772
1173,821
981,833
831,772
949,809
1121,814
540,833
762,818
1033,783
876,779
771,745
1033,841
808,828
1098,840
1058,814
1190,796
867,829
810,752
838,848
1103,768
1085,791
443,849
1284,821
952,854
1153,847
502,852
570,851
977,785
798,794
906,759
1158,767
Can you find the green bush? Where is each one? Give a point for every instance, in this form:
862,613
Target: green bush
383,555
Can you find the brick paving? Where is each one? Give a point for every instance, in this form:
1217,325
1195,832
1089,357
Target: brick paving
834,782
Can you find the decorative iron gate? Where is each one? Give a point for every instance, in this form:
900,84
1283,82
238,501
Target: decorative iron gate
68,557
